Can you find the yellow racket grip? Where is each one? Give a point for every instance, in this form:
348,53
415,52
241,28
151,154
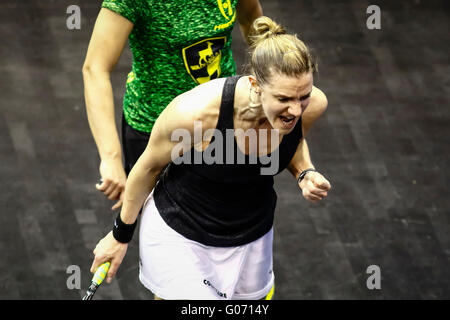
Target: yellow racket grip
100,274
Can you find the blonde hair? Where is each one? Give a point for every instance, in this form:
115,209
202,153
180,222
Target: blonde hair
273,50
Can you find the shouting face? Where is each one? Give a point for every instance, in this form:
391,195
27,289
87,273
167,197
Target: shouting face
284,99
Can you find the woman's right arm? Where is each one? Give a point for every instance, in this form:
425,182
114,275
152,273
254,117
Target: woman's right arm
144,175
108,39
177,120
172,134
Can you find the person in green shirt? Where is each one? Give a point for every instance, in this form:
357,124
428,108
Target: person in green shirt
176,45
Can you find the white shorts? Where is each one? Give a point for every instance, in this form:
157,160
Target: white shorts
174,267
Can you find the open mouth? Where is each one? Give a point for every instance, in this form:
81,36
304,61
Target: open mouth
287,120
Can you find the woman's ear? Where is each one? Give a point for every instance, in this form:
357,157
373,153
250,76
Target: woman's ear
254,84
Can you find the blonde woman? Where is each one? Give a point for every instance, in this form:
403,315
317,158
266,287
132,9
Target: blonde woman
206,226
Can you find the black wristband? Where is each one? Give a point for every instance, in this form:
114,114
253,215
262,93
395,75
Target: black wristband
123,232
303,174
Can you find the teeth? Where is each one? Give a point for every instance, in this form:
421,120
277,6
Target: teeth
287,119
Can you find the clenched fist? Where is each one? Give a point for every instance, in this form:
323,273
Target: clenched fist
314,186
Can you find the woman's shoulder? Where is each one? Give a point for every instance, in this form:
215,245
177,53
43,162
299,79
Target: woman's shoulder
319,100
317,106
201,104
201,96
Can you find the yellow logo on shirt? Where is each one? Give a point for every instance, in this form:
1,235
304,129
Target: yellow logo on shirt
226,9
202,59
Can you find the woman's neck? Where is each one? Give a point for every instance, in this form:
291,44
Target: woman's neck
248,109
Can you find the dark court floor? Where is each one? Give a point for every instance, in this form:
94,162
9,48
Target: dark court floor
384,143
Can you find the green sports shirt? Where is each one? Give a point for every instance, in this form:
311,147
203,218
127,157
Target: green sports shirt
176,45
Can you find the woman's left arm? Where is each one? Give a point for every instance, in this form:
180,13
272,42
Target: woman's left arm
314,185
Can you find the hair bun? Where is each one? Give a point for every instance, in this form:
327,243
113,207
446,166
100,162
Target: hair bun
273,50
264,28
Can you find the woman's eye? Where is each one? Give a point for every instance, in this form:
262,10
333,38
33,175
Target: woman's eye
283,99
305,98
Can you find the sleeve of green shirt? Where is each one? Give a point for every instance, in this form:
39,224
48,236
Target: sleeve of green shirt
128,9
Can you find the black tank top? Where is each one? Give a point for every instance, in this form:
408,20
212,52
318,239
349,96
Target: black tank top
226,204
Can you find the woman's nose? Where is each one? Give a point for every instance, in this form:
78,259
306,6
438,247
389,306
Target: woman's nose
295,108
